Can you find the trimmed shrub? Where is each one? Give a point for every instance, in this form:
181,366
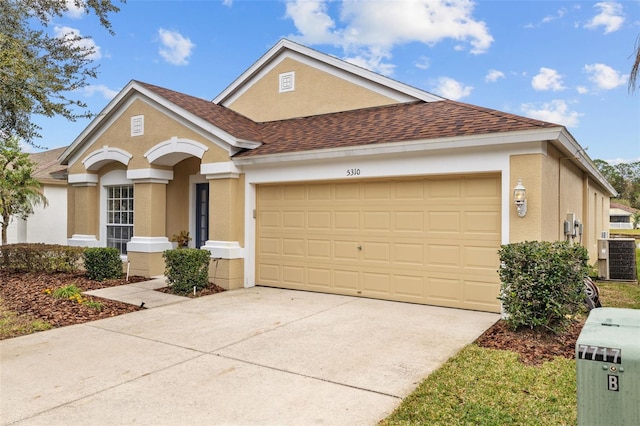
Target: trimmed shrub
186,268
40,257
542,283
102,263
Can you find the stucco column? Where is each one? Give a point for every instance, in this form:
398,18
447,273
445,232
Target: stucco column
149,240
83,220
226,223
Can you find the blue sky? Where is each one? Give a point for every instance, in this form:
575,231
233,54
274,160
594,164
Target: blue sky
564,62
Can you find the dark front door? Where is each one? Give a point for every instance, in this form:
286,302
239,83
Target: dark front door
202,214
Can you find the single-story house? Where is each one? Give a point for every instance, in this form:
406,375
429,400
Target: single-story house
47,224
620,216
310,173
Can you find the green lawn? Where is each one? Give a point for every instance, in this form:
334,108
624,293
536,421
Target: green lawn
481,386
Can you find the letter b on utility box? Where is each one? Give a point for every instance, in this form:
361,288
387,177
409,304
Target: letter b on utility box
608,368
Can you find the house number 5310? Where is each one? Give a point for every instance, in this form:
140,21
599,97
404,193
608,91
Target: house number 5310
353,172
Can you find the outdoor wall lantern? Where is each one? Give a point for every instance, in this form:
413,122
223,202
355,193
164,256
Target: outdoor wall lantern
520,198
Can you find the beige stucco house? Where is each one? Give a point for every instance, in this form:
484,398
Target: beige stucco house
311,173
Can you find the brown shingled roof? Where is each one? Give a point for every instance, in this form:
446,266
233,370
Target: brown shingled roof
47,167
395,123
230,121
385,124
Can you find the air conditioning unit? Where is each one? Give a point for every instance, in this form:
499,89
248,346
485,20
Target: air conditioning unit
617,259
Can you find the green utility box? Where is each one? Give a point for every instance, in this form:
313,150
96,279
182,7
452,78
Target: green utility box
608,368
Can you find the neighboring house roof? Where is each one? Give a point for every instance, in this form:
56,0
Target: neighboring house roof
616,209
47,167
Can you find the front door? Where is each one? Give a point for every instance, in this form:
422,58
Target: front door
202,214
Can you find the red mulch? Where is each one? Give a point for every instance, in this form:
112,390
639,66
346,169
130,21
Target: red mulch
24,293
533,346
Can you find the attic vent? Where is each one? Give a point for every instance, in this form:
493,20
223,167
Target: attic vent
287,81
137,125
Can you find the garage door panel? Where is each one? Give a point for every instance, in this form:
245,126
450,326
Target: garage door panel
422,240
379,283
319,249
377,221
445,221
347,220
319,220
411,286
409,254
293,247
346,280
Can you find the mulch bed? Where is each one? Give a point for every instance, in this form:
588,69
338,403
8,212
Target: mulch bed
25,294
534,347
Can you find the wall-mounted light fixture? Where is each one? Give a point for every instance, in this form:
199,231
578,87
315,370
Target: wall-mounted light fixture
520,198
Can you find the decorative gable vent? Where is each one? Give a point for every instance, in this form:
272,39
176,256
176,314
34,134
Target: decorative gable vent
287,81
137,125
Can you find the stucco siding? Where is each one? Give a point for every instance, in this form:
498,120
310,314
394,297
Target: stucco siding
178,196
158,127
316,92
528,168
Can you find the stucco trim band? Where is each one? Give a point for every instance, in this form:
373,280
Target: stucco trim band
83,179
220,170
150,175
80,240
149,244
106,154
224,249
172,147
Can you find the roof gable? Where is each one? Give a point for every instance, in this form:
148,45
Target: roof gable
284,49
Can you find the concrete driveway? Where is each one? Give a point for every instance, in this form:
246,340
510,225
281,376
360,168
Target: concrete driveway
250,356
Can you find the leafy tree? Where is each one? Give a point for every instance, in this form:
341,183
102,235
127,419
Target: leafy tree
19,190
625,179
39,73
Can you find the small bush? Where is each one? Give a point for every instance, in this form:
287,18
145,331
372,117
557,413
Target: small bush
102,263
542,283
186,268
47,258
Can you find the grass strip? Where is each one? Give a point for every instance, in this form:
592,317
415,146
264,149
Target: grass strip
13,324
481,386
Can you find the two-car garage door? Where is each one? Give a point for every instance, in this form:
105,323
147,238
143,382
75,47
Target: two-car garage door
423,240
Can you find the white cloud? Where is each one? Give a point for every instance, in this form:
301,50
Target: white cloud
73,36
561,12
610,17
423,63
582,90
605,77
228,3
106,93
451,89
493,76
74,11
556,111
175,48
357,29
547,79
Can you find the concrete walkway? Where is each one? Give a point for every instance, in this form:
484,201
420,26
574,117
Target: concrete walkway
140,294
243,357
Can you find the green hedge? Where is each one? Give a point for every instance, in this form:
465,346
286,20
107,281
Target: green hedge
39,257
186,268
542,283
102,263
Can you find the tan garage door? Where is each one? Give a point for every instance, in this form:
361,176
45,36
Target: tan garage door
423,240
